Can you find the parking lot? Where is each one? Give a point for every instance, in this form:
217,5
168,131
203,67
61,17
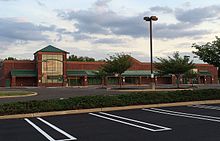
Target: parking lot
185,123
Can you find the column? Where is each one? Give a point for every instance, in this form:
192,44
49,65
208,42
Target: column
13,81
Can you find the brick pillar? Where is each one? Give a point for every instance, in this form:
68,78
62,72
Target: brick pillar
140,80
85,81
39,69
106,80
65,69
173,79
13,81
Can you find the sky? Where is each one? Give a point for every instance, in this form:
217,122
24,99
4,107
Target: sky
99,28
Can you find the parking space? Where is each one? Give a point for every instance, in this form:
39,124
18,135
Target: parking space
193,122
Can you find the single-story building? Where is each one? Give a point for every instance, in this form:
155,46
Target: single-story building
51,68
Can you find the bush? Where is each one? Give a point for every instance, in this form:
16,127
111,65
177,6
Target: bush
85,102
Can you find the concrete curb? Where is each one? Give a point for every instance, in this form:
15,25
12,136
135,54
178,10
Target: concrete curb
149,90
31,94
106,109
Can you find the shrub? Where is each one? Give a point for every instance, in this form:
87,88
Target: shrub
85,102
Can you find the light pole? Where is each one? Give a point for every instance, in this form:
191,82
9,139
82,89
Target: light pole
150,19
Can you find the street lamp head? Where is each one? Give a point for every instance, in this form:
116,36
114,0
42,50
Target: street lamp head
147,18
154,18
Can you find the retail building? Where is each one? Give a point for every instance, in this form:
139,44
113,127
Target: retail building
50,68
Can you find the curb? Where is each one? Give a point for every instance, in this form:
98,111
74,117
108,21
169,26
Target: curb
149,90
107,109
31,94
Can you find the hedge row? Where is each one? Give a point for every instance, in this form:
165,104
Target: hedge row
85,102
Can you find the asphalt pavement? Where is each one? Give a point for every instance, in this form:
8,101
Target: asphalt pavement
45,93
185,123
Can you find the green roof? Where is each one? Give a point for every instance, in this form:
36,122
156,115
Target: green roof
81,73
50,48
131,73
204,73
136,73
24,73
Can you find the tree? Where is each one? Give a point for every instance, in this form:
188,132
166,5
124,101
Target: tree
10,58
101,74
209,52
1,63
175,65
192,75
81,58
117,64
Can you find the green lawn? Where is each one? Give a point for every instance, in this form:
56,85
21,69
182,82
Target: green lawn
14,93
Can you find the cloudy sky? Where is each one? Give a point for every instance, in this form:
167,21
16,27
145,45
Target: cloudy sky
98,28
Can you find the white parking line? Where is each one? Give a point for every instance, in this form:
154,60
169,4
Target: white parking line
206,107
181,114
57,129
70,138
131,124
40,130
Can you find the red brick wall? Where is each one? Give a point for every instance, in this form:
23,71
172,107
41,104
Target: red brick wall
72,65
163,80
9,65
146,80
26,81
213,70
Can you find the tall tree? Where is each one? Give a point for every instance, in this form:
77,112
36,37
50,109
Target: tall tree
81,58
209,52
175,65
191,75
101,74
117,64
10,58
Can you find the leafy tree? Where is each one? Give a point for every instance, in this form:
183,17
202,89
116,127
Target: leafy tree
175,65
117,64
191,74
101,74
209,52
81,58
10,58
1,63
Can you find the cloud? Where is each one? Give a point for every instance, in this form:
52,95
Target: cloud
161,9
12,29
198,15
107,41
101,20
40,3
178,30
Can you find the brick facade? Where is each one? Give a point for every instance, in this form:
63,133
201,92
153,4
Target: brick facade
36,64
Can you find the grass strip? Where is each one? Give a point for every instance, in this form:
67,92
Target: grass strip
14,93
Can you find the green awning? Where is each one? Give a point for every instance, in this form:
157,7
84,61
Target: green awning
204,73
129,73
81,73
24,73
76,73
136,73
91,72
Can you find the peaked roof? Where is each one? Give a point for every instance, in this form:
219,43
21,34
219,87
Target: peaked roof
51,48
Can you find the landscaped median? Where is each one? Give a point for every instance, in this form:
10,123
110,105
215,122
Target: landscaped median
88,102
9,94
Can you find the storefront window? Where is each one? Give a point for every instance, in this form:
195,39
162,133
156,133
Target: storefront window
52,68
